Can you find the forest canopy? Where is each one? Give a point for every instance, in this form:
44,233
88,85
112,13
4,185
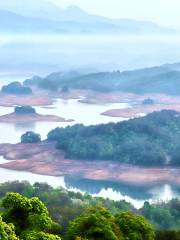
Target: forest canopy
16,88
160,79
152,140
34,212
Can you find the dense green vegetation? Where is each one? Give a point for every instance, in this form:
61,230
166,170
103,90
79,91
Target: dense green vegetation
30,137
7,231
163,79
24,110
148,101
29,217
149,141
81,216
16,88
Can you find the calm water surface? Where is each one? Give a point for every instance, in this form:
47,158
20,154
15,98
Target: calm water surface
25,55
82,113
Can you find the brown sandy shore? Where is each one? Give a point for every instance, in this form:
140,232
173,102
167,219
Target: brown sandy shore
43,158
27,118
137,111
7,100
45,98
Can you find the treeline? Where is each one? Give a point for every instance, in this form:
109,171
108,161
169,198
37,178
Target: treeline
79,215
148,141
16,88
162,79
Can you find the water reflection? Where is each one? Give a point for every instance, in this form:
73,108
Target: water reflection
136,195
25,126
86,114
94,187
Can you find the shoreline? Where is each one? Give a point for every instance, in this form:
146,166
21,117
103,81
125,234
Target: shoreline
45,159
46,99
31,118
7,100
140,110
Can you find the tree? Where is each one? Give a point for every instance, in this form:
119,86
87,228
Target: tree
40,236
167,235
16,88
134,227
148,101
30,137
96,223
7,231
29,216
24,110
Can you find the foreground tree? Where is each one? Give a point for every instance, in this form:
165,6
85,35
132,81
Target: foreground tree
134,227
40,236
7,231
30,217
95,224
168,235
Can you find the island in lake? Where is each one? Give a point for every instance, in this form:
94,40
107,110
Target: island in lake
28,157
24,114
136,152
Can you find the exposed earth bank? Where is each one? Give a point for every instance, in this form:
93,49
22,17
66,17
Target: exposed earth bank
28,118
44,158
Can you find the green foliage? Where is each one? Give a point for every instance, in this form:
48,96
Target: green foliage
163,216
30,137
96,223
16,88
149,141
134,227
7,231
27,215
150,80
65,206
53,82
24,110
167,235
40,236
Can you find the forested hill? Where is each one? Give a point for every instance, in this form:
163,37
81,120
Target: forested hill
162,79
149,141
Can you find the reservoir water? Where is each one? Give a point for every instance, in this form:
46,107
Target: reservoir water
25,55
86,114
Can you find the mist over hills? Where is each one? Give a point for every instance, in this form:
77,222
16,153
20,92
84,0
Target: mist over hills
161,79
44,16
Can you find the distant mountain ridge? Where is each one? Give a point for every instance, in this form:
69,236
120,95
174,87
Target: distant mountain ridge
162,79
44,16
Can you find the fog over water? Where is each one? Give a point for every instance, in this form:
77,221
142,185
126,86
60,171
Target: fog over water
42,54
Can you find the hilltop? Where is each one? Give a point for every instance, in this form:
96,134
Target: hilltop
161,79
44,16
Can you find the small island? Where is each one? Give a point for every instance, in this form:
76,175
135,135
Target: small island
115,152
24,114
16,88
25,110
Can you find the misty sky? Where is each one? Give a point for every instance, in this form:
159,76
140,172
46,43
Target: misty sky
165,12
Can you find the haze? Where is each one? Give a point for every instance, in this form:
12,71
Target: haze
159,11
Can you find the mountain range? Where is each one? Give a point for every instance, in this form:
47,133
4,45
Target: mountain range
43,16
